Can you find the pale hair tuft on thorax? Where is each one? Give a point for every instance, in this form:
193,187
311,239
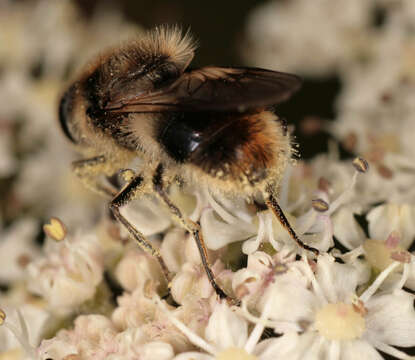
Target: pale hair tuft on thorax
170,41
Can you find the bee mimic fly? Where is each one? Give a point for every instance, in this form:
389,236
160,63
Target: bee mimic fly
210,126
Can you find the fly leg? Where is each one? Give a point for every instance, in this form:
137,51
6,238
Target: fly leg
88,171
189,225
130,192
272,204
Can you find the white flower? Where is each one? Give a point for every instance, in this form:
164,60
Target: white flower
227,337
93,335
191,282
137,269
319,309
134,310
177,248
148,216
132,344
251,283
346,229
339,324
391,233
69,273
387,218
221,227
138,311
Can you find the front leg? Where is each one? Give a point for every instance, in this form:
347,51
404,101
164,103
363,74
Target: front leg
130,192
89,170
189,225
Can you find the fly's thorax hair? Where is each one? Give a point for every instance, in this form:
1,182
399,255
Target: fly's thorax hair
142,64
250,154
169,41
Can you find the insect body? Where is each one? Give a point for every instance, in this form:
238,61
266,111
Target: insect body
209,126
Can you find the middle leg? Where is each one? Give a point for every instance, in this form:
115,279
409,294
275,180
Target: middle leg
190,226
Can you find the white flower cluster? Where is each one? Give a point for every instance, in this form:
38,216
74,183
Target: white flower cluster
93,293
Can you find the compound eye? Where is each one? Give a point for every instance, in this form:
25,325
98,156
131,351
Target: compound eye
65,113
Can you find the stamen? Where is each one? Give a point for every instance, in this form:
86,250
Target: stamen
350,256
404,278
226,216
316,286
270,231
319,205
360,164
280,326
229,218
328,230
200,206
343,197
379,280
23,336
55,229
292,207
259,327
2,317
251,245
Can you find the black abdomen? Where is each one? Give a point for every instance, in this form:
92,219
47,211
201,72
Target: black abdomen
180,136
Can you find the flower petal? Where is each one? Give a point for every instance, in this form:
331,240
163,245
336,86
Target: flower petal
218,233
226,329
359,349
338,281
391,319
386,218
346,229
